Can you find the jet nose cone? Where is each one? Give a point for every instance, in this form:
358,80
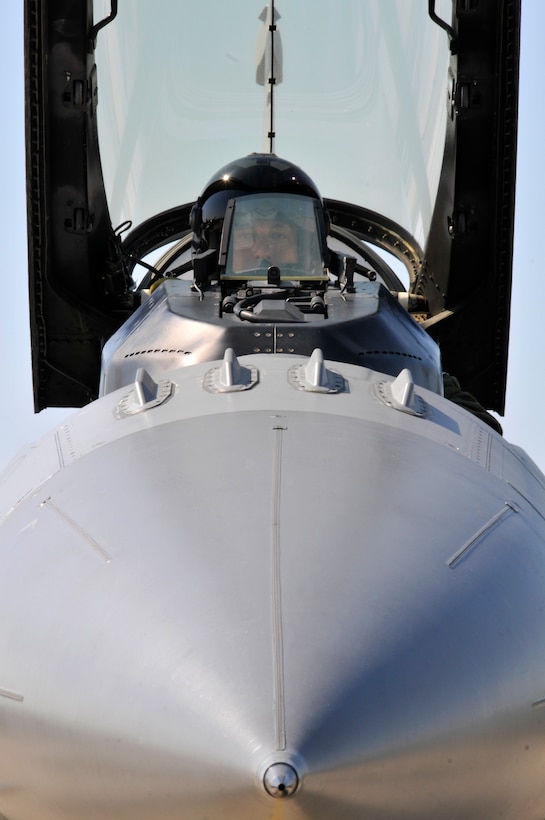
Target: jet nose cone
281,780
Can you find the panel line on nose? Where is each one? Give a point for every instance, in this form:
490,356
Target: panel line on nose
278,642
508,508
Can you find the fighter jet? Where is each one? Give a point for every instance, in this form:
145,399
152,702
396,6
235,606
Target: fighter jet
278,565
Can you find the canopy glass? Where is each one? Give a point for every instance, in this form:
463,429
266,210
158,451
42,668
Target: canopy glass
361,100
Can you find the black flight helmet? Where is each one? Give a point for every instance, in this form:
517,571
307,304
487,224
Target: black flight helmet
292,196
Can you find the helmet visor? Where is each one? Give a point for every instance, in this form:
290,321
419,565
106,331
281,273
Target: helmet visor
264,230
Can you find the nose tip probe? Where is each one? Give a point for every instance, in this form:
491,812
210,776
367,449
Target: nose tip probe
280,780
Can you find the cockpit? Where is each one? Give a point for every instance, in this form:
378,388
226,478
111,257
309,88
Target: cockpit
264,269
262,218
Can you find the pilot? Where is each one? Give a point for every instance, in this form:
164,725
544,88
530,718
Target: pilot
275,213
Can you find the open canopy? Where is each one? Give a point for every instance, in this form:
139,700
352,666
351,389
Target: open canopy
404,113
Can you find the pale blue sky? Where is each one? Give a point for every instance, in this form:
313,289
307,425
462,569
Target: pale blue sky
526,381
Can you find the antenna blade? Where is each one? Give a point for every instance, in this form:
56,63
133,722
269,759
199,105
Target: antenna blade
269,48
269,68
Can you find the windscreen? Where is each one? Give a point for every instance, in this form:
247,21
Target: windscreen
360,100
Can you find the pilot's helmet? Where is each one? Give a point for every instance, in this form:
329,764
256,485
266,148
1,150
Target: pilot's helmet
262,211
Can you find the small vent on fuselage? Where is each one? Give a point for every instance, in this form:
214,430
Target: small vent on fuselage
155,350
389,353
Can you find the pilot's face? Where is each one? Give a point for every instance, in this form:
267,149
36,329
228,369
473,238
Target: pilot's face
270,239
